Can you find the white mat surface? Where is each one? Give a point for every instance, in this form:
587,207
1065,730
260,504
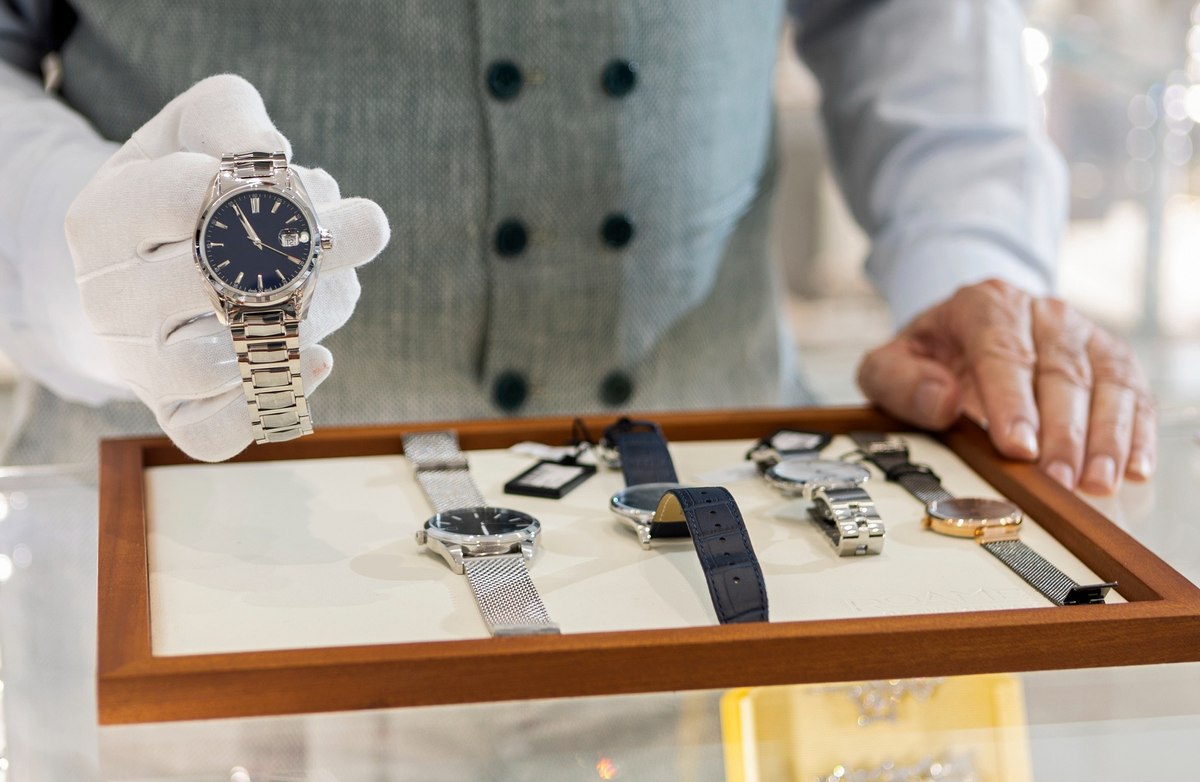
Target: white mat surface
320,552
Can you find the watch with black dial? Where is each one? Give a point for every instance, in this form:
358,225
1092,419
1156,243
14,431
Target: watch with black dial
258,246
639,449
787,444
994,524
711,518
489,545
841,507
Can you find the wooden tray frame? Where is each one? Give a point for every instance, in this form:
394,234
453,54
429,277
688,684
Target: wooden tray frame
1159,624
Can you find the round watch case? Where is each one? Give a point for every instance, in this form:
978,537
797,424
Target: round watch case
637,504
972,517
804,476
271,297
468,527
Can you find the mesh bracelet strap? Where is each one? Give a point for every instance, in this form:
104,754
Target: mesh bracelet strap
442,470
267,344
507,598
1055,585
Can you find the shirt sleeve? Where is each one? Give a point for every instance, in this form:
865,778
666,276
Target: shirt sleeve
939,143
48,153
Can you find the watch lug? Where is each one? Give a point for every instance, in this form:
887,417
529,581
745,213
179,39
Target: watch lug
451,552
528,549
644,536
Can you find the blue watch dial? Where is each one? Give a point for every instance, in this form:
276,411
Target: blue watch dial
257,241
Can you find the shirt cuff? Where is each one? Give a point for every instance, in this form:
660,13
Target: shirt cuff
930,271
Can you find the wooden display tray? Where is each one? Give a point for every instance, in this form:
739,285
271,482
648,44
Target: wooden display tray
1160,623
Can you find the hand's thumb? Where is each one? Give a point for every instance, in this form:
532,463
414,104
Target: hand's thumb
910,386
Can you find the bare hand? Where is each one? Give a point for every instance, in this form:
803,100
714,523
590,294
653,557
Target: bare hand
1049,384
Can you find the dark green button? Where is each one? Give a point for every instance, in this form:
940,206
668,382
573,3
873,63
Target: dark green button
504,80
616,388
619,78
616,230
511,238
509,391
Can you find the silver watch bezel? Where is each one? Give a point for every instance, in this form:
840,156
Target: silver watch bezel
799,488
273,298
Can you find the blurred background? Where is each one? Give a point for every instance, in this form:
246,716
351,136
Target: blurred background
1120,81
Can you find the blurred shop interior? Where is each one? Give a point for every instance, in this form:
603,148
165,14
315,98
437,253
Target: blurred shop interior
1120,82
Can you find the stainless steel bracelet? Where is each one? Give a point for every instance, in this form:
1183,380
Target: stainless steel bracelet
849,518
507,598
267,343
442,470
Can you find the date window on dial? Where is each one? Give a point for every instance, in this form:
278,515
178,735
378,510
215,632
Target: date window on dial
290,237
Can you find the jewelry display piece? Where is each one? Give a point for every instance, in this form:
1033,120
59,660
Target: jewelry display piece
994,524
257,244
712,519
489,545
957,767
877,701
639,449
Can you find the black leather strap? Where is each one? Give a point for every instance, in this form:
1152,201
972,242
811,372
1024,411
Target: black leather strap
891,456
735,580
643,452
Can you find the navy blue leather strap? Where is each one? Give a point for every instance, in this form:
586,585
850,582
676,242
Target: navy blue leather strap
643,452
735,580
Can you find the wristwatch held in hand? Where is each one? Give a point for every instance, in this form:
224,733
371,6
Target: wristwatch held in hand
258,247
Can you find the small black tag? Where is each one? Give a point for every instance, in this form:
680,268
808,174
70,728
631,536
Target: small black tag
551,480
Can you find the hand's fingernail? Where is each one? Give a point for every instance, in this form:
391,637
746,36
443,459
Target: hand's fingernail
1062,472
1025,436
1141,465
1101,471
930,397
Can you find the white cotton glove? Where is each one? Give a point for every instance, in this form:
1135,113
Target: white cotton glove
131,230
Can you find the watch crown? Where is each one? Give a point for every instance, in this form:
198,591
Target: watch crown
326,239
420,537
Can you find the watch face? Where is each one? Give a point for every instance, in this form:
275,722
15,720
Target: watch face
257,241
828,473
481,522
974,509
639,502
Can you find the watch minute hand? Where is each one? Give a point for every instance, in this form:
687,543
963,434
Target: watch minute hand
251,234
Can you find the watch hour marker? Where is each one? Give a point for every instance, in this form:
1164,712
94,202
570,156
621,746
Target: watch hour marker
260,283
219,224
291,219
281,277
238,279
222,265
216,244
254,203
275,208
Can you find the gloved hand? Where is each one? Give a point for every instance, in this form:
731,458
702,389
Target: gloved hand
131,230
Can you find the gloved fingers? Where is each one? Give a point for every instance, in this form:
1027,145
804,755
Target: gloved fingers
321,187
143,300
135,214
360,232
218,115
216,428
332,305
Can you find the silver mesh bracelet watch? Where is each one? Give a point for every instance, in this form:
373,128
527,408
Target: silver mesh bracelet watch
258,245
994,524
489,545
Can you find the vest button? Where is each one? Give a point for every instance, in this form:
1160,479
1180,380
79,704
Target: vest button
616,230
616,388
619,78
504,80
509,391
511,238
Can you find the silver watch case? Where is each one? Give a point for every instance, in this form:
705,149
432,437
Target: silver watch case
801,477
455,548
297,294
633,506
